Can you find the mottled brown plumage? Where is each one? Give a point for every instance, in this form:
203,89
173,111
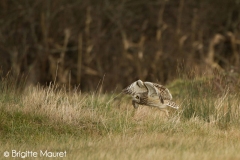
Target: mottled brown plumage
150,94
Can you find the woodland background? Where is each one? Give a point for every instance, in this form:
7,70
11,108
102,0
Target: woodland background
85,41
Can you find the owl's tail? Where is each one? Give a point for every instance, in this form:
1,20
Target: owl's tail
171,104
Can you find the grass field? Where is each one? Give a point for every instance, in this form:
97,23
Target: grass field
106,126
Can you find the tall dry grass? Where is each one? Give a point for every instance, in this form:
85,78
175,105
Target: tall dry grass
105,126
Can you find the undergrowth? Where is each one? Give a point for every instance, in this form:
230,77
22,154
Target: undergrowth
38,115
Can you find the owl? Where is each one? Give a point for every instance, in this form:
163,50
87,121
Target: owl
150,94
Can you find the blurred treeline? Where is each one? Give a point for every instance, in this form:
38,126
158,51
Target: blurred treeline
83,41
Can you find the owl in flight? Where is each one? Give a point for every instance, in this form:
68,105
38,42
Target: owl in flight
150,94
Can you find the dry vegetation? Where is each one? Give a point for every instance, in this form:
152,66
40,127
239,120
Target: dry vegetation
105,126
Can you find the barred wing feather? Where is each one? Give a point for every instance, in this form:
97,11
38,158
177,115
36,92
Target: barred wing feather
171,104
163,91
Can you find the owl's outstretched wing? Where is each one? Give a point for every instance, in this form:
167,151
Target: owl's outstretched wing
153,91
163,91
135,88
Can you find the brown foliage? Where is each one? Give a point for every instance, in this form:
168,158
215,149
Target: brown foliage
75,41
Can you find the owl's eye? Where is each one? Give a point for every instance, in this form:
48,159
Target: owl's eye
137,97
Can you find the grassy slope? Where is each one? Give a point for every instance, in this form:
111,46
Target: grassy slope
98,126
